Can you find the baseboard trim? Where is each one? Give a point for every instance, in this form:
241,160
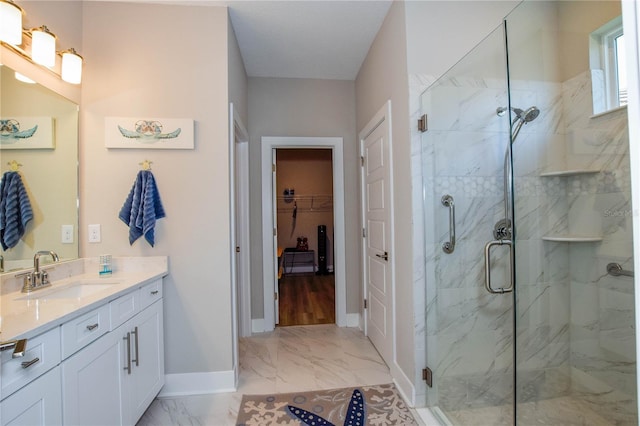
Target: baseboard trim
198,383
257,325
404,385
353,320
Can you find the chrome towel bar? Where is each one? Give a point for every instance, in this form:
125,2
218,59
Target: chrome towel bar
449,246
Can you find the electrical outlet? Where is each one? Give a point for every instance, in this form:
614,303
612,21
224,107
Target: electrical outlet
67,234
94,233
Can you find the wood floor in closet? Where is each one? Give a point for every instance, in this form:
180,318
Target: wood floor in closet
307,299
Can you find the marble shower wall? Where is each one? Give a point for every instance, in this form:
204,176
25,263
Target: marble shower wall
574,322
541,267
602,306
468,331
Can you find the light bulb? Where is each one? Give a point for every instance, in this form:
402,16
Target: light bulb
43,46
71,66
10,22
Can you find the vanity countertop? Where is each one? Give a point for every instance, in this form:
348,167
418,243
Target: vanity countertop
27,315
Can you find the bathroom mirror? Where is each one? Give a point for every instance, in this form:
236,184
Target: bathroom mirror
50,174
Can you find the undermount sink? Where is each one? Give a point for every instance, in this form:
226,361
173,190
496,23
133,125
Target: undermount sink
74,290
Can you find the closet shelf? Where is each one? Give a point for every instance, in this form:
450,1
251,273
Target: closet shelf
305,203
573,238
569,172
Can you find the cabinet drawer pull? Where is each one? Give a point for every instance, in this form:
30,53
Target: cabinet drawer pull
137,360
154,292
92,326
128,339
27,364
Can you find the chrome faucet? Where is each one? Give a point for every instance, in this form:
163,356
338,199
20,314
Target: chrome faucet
38,279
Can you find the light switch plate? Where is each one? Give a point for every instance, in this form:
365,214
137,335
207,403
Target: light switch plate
94,233
67,234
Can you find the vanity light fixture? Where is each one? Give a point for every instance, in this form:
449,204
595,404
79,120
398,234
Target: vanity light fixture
10,22
43,46
71,71
38,46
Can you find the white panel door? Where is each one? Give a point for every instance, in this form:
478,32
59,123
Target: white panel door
377,221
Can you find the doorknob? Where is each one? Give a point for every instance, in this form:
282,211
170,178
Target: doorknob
384,256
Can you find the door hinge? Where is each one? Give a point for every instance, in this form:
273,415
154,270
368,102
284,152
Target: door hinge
362,161
422,123
365,303
275,296
364,233
273,167
427,376
237,249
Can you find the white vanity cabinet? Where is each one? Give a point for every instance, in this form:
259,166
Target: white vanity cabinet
92,384
147,358
31,393
38,403
113,380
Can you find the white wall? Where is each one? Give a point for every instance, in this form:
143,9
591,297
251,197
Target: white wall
384,76
440,33
149,60
303,107
238,82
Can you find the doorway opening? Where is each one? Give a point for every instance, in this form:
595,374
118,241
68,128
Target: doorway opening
304,210
269,225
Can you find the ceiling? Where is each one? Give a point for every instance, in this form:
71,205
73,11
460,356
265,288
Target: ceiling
306,38
324,39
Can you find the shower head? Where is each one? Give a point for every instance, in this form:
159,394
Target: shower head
527,116
522,117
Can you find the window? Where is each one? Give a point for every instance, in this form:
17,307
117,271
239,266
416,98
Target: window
621,70
608,67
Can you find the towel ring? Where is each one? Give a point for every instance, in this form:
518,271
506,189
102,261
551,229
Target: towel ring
146,165
14,165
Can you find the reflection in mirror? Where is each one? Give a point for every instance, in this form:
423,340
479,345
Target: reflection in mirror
48,168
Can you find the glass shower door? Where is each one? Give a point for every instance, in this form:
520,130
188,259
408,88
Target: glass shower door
469,331
575,351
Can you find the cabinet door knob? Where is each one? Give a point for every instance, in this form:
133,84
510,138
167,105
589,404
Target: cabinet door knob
92,326
154,292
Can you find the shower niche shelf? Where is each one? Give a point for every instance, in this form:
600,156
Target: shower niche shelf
574,172
573,238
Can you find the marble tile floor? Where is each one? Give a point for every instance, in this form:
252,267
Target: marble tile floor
565,411
288,359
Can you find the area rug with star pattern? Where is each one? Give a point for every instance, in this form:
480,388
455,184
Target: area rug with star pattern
357,406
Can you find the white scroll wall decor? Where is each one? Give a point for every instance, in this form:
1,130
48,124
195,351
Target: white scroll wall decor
149,132
27,133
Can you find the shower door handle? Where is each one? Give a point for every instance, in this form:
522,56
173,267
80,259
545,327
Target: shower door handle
449,246
487,266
